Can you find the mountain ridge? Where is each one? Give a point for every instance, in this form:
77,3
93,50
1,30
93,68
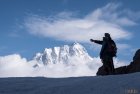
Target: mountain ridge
62,54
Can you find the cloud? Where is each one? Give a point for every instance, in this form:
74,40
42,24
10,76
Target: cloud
134,15
123,46
16,66
113,14
67,26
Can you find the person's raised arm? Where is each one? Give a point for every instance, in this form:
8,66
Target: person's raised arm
96,41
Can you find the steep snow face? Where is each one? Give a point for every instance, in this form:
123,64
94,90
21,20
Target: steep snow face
64,54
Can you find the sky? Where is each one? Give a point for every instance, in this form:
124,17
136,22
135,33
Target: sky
29,26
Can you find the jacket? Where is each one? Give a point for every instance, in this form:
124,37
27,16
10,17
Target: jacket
104,49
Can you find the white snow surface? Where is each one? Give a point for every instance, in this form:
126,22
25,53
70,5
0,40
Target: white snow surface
113,84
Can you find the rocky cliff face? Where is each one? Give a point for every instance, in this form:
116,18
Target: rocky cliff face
134,66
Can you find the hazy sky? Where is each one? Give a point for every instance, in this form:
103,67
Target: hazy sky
29,26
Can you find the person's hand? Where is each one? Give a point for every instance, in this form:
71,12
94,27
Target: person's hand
91,40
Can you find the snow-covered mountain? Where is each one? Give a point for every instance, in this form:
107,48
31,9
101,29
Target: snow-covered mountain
64,55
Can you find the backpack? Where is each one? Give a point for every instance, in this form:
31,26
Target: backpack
112,49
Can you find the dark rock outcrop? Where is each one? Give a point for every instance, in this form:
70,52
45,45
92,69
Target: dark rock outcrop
134,66
101,71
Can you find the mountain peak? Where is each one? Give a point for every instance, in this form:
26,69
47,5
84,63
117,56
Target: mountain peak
77,45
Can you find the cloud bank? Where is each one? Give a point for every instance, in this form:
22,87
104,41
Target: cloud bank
65,26
16,66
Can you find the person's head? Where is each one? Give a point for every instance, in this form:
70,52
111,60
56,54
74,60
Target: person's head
107,35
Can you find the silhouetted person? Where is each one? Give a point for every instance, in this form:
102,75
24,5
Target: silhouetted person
108,51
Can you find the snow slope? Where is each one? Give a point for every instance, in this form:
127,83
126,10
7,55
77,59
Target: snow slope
114,84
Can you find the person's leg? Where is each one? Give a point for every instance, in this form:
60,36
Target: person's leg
105,66
111,65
